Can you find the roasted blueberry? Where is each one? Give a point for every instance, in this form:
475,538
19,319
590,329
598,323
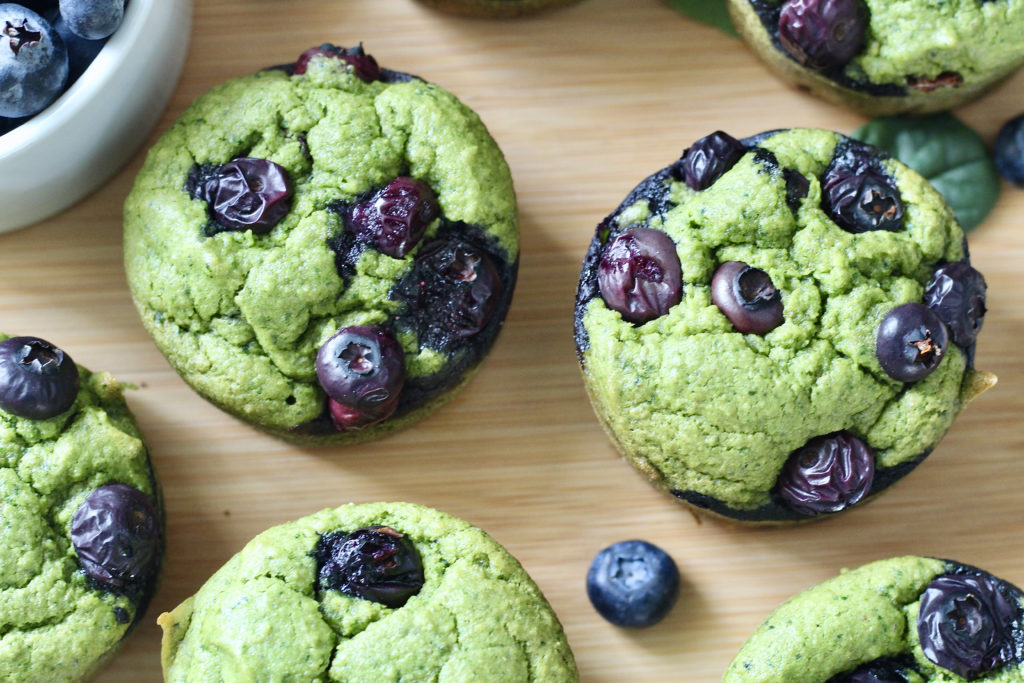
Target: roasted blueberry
633,584
1009,151
957,295
911,342
116,535
823,34
396,217
828,474
747,297
362,369
965,624
37,380
33,62
709,158
248,194
364,66
860,198
460,286
92,19
639,275
373,563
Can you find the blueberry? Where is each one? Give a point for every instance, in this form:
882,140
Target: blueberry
362,369
396,217
878,671
92,19
747,297
633,584
706,160
828,474
861,198
374,563
116,535
33,62
639,275
965,624
911,342
81,52
364,66
37,380
957,295
823,34
1009,151
248,194
459,287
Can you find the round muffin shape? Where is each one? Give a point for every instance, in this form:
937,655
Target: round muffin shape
288,205
908,57
77,566
711,409
286,608
496,9
911,619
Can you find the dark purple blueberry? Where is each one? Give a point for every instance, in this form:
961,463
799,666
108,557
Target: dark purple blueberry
957,295
364,66
373,563
362,369
1009,151
633,584
964,624
828,474
461,283
396,217
747,297
862,199
706,160
248,194
639,275
116,535
823,34
911,342
92,19
37,380
879,671
33,62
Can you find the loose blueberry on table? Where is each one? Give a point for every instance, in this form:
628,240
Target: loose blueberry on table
375,563
633,583
1009,151
45,45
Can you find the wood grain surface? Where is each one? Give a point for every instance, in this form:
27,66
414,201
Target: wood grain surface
584,102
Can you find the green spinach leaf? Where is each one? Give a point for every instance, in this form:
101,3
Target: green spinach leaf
710,12
950,154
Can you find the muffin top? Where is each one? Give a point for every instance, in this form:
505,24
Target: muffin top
287,206
373,592
892,47
81,537
896,619
729,323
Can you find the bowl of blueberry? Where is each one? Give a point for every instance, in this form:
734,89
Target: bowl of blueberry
82,82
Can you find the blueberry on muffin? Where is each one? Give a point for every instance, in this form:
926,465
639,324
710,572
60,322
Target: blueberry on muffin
902,620
326,250
887,56
780,327
82,533
367,593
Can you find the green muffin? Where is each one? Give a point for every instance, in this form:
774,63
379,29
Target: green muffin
326,250
82,533
496,9
375,592
778,328
908,619
887,56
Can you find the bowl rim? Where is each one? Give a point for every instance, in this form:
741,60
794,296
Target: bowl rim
99,75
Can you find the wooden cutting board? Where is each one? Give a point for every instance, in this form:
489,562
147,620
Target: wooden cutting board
585,102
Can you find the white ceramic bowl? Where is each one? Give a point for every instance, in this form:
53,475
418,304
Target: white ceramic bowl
78,142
